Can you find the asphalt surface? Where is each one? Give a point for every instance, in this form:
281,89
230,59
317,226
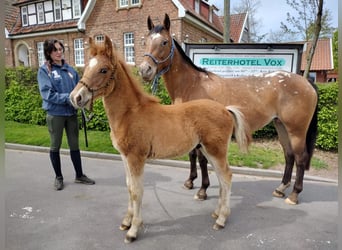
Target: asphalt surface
82,217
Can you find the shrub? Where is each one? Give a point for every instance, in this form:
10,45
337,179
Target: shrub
23,104
327,116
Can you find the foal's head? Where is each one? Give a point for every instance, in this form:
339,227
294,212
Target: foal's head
159,49
97,79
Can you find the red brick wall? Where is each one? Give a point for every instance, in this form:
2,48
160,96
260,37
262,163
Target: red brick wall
107,19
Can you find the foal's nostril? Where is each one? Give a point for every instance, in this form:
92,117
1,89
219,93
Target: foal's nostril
78,99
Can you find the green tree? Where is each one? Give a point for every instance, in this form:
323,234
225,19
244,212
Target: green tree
302,22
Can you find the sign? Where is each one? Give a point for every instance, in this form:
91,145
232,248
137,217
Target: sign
234,60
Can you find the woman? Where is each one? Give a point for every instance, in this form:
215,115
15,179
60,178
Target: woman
56,80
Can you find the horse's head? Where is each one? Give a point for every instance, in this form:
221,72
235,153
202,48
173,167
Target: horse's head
159,49
97,79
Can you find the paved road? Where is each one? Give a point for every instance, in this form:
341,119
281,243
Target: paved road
88,217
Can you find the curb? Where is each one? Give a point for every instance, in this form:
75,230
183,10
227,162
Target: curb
169,163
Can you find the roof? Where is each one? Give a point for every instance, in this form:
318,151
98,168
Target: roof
237,24
216,22
323,57
15,25
11,14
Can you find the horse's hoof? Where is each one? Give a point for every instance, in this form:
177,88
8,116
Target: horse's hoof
214,215
217,227
188,184
292,199
124,227
129,239
278,194
200,196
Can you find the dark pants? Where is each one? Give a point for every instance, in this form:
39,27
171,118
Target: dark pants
56,126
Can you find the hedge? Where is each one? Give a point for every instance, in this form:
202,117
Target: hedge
23,104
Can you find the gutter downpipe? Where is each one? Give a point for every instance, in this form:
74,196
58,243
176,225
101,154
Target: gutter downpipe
81,24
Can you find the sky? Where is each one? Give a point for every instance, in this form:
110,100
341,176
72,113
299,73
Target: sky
272,12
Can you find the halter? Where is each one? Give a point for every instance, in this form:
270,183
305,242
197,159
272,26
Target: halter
164,70
92,90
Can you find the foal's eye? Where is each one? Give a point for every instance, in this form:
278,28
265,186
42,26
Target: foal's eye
103,71
164,42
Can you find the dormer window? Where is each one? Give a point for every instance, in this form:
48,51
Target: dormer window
197,6
24,16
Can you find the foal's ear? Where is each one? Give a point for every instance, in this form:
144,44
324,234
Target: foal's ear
108,46
92,46
167,22
150,24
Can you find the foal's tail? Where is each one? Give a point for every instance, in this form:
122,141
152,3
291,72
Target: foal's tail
241,130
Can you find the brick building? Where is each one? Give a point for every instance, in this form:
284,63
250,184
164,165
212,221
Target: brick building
30,22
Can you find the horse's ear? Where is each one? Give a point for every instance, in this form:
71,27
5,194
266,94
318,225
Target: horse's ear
167,22
108,46
150,24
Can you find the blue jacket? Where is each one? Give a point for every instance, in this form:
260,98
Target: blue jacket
55,87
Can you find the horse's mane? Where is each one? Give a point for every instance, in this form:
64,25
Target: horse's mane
117,59
187,59
158,29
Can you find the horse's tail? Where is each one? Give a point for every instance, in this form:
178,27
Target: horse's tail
241,130
311,134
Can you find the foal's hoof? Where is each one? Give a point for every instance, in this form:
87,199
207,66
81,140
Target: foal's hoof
188,184
201,195
124,227
214,215
217,227
278,194
129,239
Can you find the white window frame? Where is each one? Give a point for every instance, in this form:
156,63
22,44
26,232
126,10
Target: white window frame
40,13
129,47
197,6
79,52
57,9
40,53
76,8
24,16
99,39
128,3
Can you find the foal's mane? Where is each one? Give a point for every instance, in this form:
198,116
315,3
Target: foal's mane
158,29
121,69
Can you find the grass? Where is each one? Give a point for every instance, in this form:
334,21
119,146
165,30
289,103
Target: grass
258,156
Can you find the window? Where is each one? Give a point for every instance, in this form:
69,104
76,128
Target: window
40,53
79,52
99,39
76,8
58,11
129,47
197,6
40,10
128,3
24,16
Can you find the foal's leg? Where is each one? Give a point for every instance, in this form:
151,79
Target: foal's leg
193,170
127,220
134,179
289,159
203,162
222,211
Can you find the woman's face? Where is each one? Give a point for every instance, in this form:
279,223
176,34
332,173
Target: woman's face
57,54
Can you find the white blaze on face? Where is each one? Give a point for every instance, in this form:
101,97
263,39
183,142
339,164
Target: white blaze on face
92,62
155,36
